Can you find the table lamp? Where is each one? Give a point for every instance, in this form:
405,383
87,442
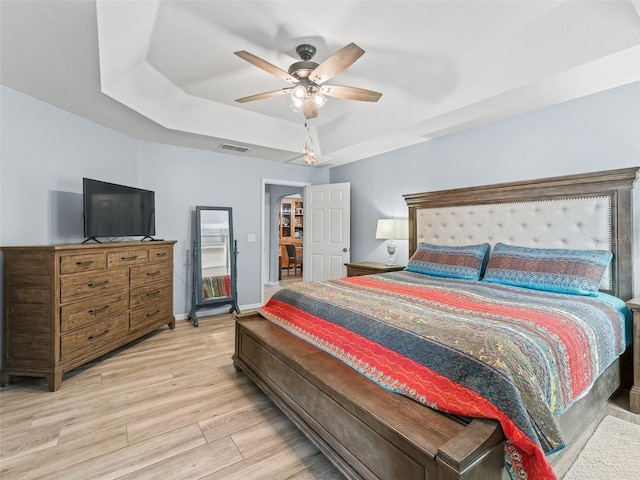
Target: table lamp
392,229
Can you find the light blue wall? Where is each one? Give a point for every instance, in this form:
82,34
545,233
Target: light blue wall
45,152
598,132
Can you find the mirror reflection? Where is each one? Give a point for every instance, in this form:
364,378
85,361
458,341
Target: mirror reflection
215,254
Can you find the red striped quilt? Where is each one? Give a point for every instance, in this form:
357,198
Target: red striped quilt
469,348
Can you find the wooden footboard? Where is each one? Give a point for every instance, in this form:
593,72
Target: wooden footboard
367,431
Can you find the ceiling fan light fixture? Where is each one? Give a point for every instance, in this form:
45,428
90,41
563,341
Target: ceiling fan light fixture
299,92
309,155
310,158
319,99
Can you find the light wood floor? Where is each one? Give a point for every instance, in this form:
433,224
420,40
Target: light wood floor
286,280
170,406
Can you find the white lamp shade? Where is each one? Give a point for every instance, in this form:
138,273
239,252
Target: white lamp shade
392,229
319,99
299,92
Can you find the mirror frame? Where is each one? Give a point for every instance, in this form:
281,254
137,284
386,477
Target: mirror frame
200,300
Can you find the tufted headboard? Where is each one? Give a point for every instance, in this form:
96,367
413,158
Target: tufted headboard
587,211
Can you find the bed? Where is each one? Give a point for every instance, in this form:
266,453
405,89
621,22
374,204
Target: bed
313,369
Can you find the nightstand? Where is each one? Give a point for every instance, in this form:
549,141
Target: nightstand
367,268
634,396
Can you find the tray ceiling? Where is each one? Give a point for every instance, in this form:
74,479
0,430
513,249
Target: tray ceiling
165,70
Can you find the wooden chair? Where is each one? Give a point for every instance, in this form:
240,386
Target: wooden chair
294,259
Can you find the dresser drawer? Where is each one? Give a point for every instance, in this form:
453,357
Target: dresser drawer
82,262
92,338
90,283
153,272
146,294
156,313
161,253
124,258
82,314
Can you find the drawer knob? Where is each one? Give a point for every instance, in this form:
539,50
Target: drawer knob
98,284
152,313
163,254
128,259
153,294
153,274
86,263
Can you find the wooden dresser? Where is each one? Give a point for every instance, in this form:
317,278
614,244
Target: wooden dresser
65,305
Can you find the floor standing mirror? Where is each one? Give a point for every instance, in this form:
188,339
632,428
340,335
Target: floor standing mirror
214,261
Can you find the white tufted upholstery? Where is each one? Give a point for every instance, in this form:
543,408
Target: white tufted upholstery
578,223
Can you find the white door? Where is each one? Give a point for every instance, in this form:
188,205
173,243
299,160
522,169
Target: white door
327,231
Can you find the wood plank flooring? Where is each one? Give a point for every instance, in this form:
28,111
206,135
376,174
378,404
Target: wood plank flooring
168,406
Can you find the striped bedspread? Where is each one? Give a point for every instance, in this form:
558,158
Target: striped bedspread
469,348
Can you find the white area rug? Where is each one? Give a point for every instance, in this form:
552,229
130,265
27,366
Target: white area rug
612,453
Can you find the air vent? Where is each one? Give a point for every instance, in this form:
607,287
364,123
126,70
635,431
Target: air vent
233,148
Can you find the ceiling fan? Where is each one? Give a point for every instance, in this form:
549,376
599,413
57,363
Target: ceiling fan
308,78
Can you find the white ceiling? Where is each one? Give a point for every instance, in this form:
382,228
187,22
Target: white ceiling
165,71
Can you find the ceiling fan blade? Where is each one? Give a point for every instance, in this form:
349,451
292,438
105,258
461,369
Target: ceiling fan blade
309,108
266,66
350,93
260,96
336,63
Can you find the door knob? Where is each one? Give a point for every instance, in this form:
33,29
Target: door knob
345,249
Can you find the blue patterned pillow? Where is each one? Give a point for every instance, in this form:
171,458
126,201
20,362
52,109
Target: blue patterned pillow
555,270
455,262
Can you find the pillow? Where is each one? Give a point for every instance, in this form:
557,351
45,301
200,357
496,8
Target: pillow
455,262
553,269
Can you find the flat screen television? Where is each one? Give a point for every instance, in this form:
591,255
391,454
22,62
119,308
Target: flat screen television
112,210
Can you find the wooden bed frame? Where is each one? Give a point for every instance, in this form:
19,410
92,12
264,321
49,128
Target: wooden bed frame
371,433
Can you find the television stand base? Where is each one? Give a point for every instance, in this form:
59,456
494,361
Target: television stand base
151,239
90,239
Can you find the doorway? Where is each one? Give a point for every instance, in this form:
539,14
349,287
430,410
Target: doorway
273,192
